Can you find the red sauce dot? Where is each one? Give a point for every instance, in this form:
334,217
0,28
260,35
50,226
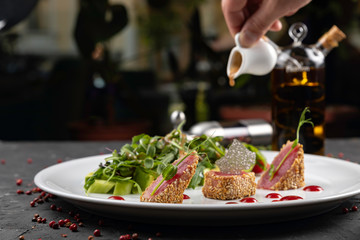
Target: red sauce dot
116,198
313,188
59,160
273,195
185,196
248,200
231,203
290,198
29,161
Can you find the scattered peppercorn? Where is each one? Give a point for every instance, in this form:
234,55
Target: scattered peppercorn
64,235
61,223
73,227
20,191
53,207
55,226
43,220
51,224
97,233
354,208
36,189
158,234
32,203
21,237
19,181
135,236
59,209
81,224
345,210
90,237
125,237
28,192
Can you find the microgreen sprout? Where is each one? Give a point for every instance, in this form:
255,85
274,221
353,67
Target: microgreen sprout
302,121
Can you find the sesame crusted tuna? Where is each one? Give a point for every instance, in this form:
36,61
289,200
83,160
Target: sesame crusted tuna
171,191
290,174
222,186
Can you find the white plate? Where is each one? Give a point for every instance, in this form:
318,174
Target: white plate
339,179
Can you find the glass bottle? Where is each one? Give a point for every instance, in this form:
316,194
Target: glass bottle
298,81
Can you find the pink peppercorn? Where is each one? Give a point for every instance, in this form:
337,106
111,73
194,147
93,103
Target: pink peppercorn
19,181
97,233
73,227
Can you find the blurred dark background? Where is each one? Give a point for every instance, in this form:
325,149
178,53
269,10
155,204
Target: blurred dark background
107,70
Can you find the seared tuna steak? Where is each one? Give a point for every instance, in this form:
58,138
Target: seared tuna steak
224,186
171,191
290,175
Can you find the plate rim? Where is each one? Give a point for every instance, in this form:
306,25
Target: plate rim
196,206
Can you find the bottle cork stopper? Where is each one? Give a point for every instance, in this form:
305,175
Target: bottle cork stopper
332,38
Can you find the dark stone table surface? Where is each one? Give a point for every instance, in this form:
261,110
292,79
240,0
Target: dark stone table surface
24,159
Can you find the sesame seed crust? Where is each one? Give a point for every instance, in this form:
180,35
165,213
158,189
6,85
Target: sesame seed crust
294,177
227,187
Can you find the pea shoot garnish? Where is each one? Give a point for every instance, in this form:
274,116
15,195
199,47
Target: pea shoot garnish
302,121
170,170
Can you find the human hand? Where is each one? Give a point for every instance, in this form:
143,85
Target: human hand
253,18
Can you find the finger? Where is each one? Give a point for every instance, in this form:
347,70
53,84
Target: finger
276,26
234,14
258,24
263,19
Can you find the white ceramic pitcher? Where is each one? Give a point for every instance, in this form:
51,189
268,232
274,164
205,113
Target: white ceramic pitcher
259,59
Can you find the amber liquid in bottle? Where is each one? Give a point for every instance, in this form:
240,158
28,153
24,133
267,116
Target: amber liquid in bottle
292,92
